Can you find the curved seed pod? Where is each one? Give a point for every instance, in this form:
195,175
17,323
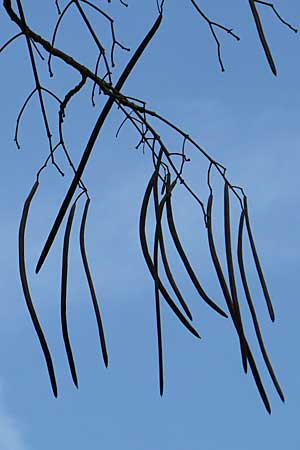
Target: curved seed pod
22,269
185,260
63,302
262,36
230,305
90,283
231,273
219,271
157,300
142,232
252,309
257,264
215,258
158,235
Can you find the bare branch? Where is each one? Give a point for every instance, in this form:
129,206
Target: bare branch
213,24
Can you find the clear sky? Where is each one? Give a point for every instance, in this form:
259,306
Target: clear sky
249,121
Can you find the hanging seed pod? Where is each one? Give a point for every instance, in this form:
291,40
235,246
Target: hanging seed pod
235,302
186,262
90,283
261,35
142,232
63,302
219,270
257,264
22,269
156,287
159,207
252,309
215,258
230,305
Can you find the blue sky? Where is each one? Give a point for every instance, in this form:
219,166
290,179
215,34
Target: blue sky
249,121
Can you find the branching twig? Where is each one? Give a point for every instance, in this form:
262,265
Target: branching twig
213,24
38,86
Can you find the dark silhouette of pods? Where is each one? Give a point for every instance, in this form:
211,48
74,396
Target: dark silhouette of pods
142,232
215,258
230,306
185,260
158,234
218,268
63,296
257,264
262,36
157,300
92,139
90,283
252,309
230,267
22,268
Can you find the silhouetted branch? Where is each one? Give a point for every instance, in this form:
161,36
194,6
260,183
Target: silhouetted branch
168,164
211,25
38,86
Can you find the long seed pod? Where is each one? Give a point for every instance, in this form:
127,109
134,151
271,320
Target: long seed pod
158,234
63,302
142,232
215,258
219,270
92,139
157,300
262,36
230,305
252,309
257,264
22,268
186,262
90,283
231,276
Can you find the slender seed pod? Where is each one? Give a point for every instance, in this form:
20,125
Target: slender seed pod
230,305
219,270
262,36
215,258
158,234
23,276
90,283
142,232
186,262
252,309
231,276
257,264
157,300
63,302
